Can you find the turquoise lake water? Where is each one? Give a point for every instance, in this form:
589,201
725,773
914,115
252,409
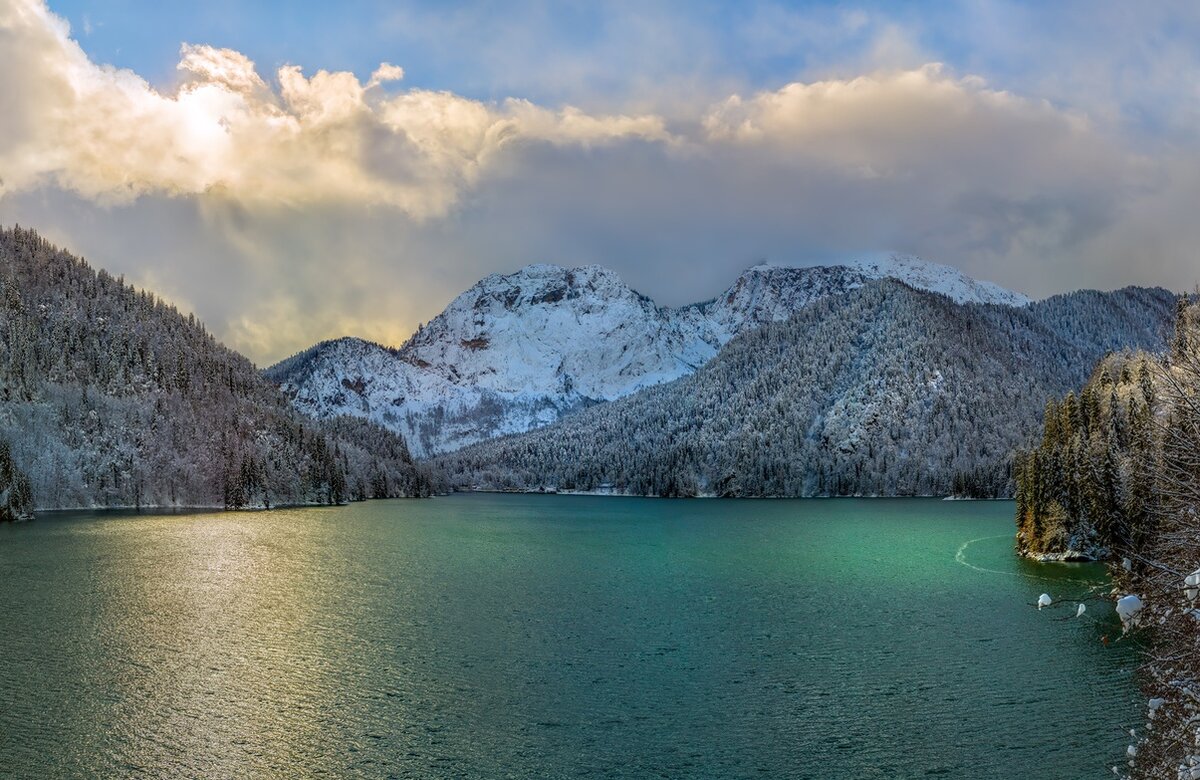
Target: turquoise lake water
496,636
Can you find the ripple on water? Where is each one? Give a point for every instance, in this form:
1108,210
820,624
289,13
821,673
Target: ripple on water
512,636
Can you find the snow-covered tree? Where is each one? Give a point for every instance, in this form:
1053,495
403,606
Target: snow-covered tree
883,390
111,397
1118,474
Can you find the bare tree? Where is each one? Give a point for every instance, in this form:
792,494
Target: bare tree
1166,573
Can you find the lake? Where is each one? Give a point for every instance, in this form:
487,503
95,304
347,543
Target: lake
499,636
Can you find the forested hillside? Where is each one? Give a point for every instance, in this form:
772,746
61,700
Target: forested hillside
884,390
111,397
1117,475
1087,488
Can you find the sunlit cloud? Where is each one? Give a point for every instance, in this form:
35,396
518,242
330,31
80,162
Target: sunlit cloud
108,134
292,205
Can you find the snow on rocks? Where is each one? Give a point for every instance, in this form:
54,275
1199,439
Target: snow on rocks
1192,585
1128,608
1190,768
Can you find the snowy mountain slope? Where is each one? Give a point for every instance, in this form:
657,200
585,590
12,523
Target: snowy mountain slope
547,329
769,293
515,351
509,354
885,390
937,278
111,397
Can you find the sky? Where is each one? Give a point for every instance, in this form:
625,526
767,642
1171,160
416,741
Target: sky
299,171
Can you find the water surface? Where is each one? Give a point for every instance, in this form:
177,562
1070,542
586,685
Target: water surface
553,636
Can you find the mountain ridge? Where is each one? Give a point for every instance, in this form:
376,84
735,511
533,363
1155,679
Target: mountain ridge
516,351
884,390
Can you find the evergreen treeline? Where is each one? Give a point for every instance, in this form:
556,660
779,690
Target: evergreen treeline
111,397
1117,474
1086,489
16,492
885,390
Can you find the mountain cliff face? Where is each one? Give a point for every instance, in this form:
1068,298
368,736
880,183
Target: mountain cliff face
110,397
883,390
516,351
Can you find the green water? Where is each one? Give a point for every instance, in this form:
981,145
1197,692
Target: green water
552,636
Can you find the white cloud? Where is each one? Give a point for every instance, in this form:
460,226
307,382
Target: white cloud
923,125
384,73
289,207
107,133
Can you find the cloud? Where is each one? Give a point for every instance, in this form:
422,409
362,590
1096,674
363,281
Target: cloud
384,73
908,122
290,207
106,133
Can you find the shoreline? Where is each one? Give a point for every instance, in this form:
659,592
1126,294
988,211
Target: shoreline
713,496
193,509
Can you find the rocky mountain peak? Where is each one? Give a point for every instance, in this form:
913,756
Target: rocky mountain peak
516,350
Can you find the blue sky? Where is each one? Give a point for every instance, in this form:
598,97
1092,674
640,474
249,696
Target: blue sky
457,45
494,50
1044,146
446,45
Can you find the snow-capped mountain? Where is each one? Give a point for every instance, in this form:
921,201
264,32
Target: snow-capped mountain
771,293
884,390
515,351
547,329
944,279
